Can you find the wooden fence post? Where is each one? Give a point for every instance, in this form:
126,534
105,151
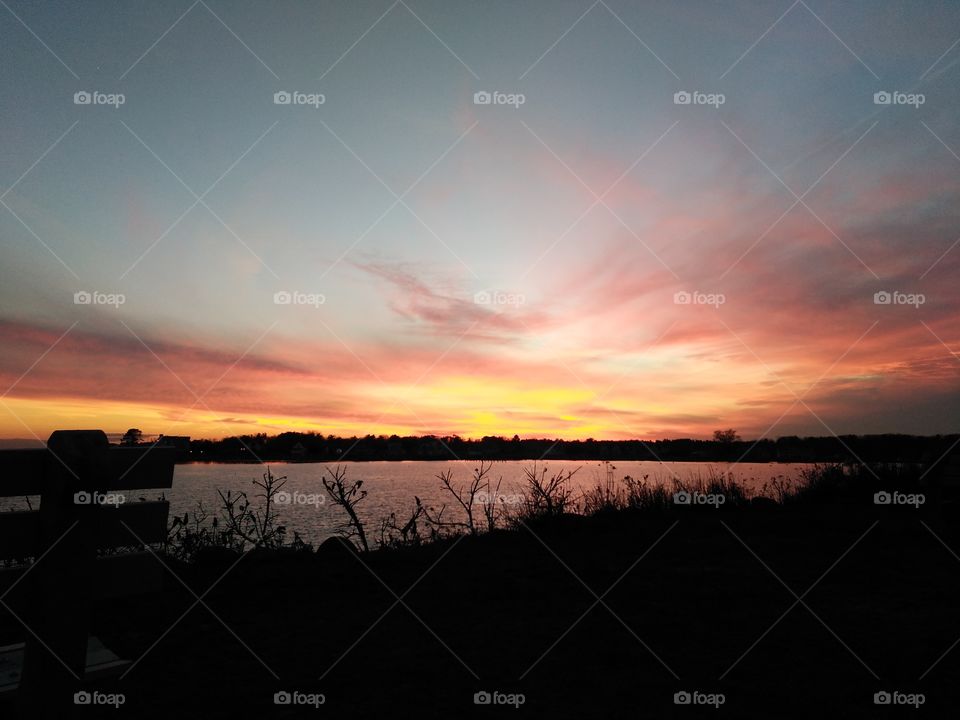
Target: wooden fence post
60,583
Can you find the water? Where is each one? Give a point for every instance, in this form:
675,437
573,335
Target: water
391,486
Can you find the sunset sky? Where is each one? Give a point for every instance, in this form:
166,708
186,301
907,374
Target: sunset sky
583,213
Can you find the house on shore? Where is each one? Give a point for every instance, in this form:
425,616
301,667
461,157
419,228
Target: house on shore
180,443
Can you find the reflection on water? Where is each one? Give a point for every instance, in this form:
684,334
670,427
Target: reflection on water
392,485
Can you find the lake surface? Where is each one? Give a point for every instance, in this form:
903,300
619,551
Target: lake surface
392,485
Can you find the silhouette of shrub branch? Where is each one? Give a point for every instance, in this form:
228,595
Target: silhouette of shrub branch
546,496
347,497
466,497
255,525
492,511
238,525
394,535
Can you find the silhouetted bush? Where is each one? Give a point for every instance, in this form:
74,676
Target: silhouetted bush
467,500
394,535
240,525
853,482
545,496
347,497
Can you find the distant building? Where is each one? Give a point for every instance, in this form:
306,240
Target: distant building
298,450
181,443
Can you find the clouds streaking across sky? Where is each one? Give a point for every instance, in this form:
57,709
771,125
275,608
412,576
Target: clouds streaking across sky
603,260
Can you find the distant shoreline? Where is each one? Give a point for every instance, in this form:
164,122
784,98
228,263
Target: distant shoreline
308,447
315,448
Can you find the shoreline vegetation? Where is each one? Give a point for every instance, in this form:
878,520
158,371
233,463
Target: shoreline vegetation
643,595
476,505
726,446
645,589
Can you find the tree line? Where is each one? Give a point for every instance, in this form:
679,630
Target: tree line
726,445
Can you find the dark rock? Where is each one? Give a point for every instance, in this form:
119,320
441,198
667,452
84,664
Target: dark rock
336,547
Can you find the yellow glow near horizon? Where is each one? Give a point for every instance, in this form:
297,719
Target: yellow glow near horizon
37,418
467,405
462,405
472,392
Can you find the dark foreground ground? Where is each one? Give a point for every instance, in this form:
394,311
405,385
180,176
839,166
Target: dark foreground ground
788,612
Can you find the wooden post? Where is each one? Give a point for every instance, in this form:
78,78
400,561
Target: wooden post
56,648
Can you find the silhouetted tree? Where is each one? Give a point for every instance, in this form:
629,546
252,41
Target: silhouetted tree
133,436
726,436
